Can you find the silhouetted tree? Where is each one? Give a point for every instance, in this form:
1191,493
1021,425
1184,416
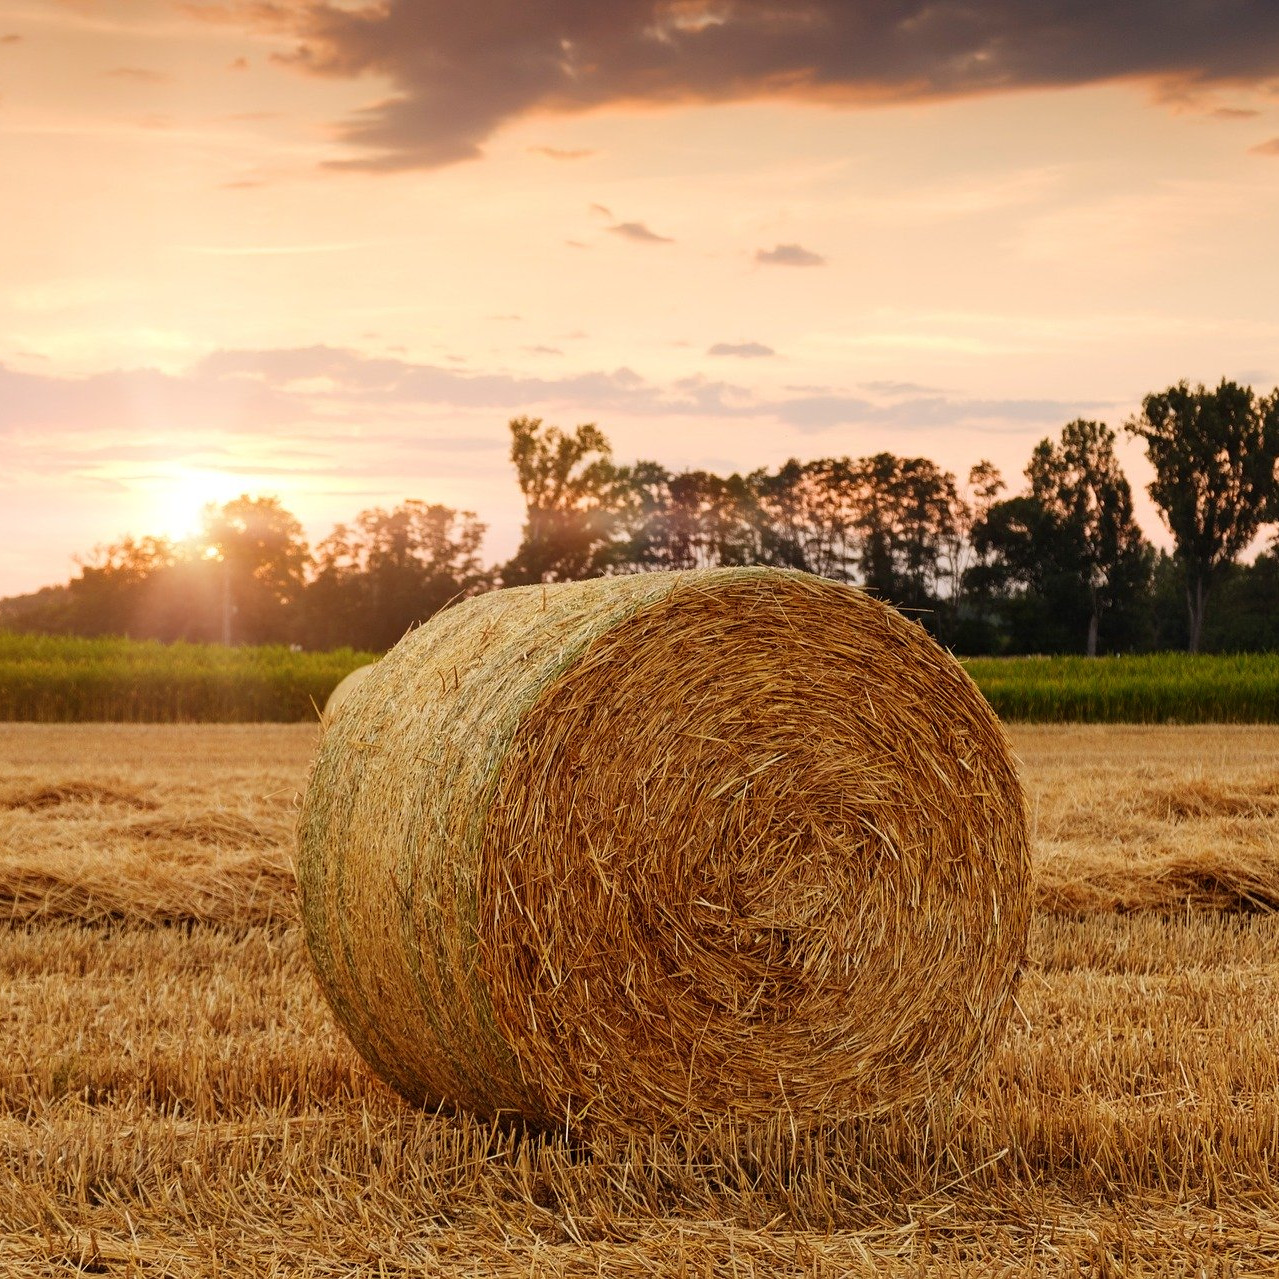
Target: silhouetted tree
1246,614
335,602
907,511
967,622
121,589
390,570
571,518
985,483
1026,576
1214,455
640,498
1060,566
710,522
808,514
1082,490
261,560
1066,555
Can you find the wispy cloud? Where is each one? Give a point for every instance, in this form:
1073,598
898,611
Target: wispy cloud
562,153
270,250
140,401
638,231
747,350
454,82
320,390
789,255
889,387
1265,148
139,75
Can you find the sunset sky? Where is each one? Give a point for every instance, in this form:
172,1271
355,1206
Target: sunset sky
326,251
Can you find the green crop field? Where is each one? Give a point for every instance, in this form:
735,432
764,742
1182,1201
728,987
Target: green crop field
1149,688
55,679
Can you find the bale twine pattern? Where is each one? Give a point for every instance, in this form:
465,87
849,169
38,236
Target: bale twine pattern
654,850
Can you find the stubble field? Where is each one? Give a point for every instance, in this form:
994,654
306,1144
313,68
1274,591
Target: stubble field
175,1099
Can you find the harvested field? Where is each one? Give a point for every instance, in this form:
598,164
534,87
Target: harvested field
175,1099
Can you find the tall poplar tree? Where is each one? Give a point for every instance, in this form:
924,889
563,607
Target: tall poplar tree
1081,487
1214,455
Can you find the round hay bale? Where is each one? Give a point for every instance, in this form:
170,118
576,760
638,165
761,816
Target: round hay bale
345,687
651,851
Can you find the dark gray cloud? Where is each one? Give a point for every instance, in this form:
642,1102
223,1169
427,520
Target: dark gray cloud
638,231
747,350
459,71
789,255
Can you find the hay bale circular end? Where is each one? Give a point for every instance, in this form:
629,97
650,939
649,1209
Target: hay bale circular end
655,850
345,687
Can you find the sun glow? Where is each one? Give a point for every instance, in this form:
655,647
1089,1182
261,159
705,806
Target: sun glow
178,501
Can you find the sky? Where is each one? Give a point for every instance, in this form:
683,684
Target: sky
326,251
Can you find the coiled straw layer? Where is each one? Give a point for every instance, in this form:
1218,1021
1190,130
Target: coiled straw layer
648,851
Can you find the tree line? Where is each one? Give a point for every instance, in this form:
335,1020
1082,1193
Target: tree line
1058,566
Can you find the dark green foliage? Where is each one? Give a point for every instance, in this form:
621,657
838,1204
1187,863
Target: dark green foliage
1214,454
388,571
1064,562
1245,613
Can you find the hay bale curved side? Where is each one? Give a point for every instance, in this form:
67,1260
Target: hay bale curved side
345,687
663,848
391,822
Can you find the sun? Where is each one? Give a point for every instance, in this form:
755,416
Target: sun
176,508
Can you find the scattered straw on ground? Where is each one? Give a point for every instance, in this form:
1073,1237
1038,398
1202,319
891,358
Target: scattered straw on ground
178,1101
